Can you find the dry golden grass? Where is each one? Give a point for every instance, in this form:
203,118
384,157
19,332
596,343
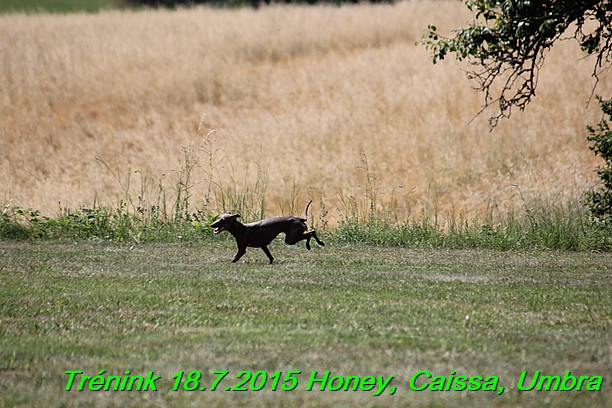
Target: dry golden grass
319,103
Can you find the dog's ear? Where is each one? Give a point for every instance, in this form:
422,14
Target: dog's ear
237,215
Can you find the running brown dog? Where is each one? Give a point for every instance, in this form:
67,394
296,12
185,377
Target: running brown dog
259,234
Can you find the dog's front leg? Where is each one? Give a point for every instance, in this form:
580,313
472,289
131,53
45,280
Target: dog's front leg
268,254
241,251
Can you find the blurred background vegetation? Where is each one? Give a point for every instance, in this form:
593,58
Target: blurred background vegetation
58,6
66,6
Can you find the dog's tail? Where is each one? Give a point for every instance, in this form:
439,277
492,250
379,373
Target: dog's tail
307,205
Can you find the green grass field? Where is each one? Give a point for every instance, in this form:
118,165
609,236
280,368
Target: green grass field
353,310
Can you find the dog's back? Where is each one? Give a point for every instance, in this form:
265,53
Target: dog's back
261,233
278,222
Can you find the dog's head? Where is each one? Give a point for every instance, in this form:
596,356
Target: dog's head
224,222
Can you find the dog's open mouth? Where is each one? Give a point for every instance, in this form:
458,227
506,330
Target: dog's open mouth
218,230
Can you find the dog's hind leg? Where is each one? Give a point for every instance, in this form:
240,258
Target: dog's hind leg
293,239
314,235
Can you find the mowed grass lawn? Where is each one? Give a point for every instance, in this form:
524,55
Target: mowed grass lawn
351,310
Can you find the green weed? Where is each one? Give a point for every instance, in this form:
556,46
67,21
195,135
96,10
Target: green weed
57,6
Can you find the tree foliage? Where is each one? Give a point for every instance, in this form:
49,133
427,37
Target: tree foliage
599,201
506,44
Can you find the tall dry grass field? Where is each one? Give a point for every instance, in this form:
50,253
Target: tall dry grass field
338,105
